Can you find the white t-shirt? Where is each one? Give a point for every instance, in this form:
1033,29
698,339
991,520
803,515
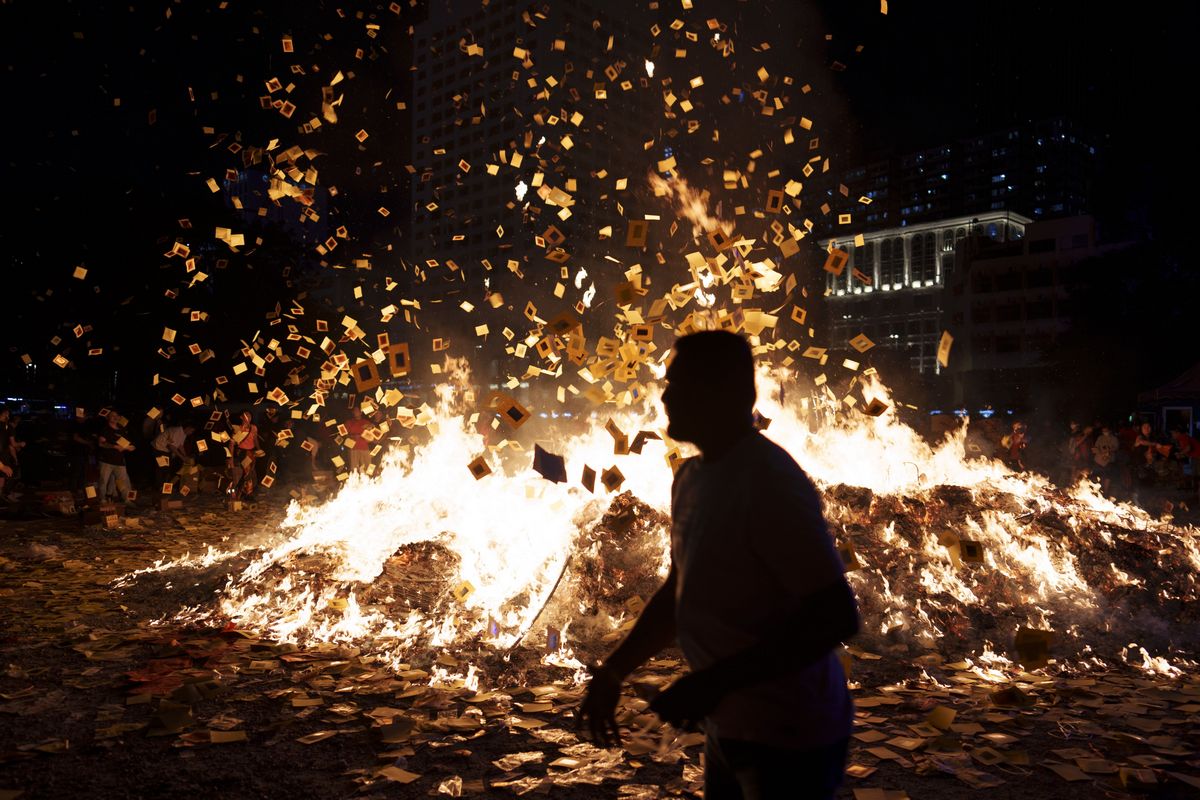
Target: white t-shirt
174,436
748,540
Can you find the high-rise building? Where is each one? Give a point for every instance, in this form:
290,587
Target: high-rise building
501,96
892,289
1008,304
1041,170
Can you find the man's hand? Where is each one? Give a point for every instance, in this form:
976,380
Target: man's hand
597,712
688,700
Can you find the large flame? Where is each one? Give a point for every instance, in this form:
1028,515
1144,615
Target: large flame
512,532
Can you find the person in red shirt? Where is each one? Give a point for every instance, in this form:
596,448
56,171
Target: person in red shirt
360,448
1014,445
244,455
1186,448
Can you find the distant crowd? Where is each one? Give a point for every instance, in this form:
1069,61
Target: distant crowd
1121,458
245,452
104,457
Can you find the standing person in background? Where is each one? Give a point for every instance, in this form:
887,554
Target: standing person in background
1081,452
8,452
1073,460
244,438
755,596
360,449
1014,444
83,450
1104,456
111,449
289,455
18,425
171,444
1186,449
1127,434
1149,453
269,426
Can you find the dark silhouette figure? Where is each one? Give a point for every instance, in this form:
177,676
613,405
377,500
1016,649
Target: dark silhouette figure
755,597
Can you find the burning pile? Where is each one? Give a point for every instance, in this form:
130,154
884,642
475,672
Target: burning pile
946,555
961,570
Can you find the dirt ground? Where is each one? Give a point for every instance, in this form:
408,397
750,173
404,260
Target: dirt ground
102,695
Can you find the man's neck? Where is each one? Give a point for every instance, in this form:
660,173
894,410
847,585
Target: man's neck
722,442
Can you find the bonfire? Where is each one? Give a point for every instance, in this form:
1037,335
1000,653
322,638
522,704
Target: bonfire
483,580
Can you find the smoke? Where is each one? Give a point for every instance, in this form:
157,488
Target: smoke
691,203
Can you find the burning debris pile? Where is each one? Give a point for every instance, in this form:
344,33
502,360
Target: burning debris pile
962,570
953,570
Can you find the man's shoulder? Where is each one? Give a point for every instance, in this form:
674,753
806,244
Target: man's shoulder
686,468
775,459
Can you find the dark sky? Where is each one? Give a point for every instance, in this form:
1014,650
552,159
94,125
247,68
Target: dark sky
938,65
936,70
928,70
93,181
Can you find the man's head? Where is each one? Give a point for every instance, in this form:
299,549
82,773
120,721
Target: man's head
1146,429
710,387
114,420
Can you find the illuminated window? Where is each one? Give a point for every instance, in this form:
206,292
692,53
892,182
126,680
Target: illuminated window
891,262
923,261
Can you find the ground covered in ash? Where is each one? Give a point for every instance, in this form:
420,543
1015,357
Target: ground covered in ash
103,695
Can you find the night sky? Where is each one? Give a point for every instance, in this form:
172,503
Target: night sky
106,103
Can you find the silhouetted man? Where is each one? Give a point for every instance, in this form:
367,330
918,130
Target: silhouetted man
756,597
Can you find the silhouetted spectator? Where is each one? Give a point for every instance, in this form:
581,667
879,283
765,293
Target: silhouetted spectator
1150,452
82,451
171,444
245,455
1186,450
269,426
112,445
359,449
1015,443
1104,456
755,596
1127,434
978,442
8,451
1070,450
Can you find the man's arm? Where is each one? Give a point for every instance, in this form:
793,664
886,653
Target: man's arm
654,630
817,624
821,622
